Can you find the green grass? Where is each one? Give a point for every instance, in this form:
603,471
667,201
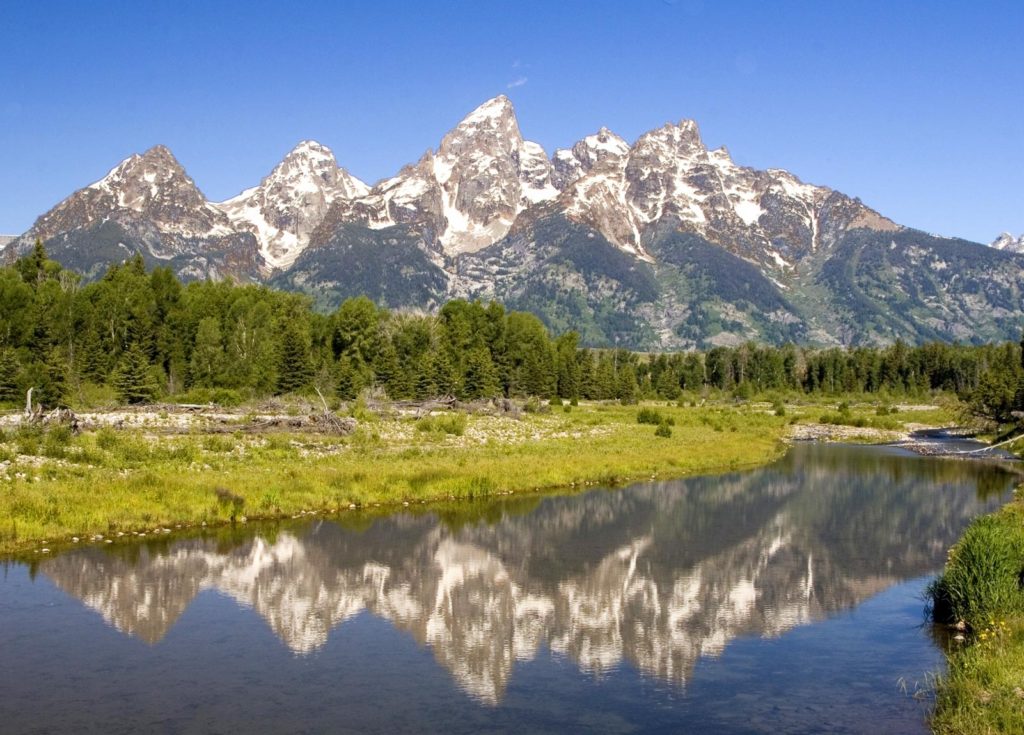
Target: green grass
980,589
109,481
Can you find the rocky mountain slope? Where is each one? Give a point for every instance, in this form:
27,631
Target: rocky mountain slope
662,243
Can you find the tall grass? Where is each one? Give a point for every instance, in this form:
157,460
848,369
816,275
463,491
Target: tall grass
982,578
980,591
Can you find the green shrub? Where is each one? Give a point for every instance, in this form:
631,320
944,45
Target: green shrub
743,392
27,439
982,578
452,423
218,444
534,405
107,439
56,441
648,416
219,396
663,430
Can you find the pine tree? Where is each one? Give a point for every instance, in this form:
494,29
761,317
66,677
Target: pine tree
443,376
348,381
386,372
295,367
9,370
480,381
132,378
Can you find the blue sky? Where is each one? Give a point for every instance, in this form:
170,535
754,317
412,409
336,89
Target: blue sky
915,107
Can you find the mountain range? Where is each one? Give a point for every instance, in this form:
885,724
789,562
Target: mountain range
656,244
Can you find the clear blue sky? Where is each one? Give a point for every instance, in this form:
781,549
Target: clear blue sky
915,107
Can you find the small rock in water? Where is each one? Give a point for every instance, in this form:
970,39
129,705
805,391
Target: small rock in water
351,506
45,551
74,539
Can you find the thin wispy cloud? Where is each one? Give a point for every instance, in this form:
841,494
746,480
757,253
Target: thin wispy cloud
517,82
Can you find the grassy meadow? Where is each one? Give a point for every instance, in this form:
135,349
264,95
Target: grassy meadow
55,487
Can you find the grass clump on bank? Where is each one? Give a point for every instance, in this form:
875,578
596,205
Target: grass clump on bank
980,593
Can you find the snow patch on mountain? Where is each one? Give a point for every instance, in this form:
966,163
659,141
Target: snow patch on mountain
1009,243
469,193
291,202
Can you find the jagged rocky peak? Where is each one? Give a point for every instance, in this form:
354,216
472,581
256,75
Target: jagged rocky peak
151,180
471,191
151,186
669,175
488,174
291,202
572,163
1009,243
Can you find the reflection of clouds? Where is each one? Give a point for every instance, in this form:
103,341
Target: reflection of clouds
659,576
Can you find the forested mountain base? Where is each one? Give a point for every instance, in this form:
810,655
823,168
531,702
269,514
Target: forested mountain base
138,336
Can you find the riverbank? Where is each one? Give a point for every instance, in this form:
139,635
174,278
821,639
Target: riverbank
155,470
979,596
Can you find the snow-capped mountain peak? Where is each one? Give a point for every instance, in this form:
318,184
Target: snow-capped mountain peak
1009,243
572,163
151,188
142,182
291,201
471,190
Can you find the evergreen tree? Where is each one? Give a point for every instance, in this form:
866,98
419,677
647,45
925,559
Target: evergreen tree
443,374
604,377
386,372
295,367
132,377
10,367
348,382
481,380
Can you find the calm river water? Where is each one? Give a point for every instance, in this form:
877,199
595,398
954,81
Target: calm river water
781,600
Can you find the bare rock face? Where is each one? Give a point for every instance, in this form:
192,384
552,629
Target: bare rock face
290,203
770,217
1009,243
572,163
153,186
470,192
149,205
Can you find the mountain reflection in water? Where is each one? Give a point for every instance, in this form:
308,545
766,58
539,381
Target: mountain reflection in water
658,575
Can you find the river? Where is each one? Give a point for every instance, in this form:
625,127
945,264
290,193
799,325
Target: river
787,599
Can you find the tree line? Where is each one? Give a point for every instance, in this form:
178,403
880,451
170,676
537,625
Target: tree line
146,335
